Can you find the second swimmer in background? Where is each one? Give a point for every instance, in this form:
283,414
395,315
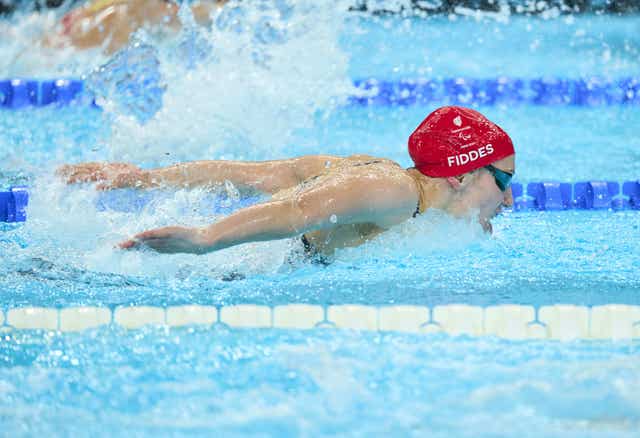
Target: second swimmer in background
109,23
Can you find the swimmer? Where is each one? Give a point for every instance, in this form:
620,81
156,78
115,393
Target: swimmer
109,23
463,166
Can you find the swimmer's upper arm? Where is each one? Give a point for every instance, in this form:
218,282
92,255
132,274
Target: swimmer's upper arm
379,197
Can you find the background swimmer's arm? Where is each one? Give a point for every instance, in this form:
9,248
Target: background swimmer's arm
110,175
380,200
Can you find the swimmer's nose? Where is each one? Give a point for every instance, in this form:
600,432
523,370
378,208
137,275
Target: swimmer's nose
508,198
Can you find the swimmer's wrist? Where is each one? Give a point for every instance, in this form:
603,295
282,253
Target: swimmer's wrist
202,241
149,178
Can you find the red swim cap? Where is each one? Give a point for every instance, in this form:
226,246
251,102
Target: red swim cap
454,140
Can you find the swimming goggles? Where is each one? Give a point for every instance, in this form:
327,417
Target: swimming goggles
502,178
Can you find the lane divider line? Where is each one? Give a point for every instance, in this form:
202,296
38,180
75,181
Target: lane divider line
546,195
563,322
16,93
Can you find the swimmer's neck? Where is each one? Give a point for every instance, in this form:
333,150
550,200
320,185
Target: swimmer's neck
434,192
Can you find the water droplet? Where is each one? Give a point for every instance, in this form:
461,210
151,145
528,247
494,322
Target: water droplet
333,219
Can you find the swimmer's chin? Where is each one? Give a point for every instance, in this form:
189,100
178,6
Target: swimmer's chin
472,215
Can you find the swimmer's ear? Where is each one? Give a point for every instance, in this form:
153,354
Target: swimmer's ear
455,182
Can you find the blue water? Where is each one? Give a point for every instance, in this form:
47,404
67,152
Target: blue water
569,46
321,383
276,382
545,138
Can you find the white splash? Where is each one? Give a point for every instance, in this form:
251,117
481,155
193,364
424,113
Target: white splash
271,70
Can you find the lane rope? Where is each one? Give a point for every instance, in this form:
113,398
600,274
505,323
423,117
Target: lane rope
534,196
592,91
511,321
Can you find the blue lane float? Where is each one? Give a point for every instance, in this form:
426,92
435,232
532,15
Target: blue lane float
20,93
590,195
593,91
534,196
13,204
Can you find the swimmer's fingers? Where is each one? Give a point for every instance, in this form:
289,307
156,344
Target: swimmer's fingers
109,185
64,170
486,226
85,172
129,244
167,240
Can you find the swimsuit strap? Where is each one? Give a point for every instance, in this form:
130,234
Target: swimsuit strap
366,163
422,196
312,254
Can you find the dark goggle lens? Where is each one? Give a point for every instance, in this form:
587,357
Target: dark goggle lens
503,179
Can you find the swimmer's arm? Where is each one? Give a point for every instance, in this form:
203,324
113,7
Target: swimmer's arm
263,176
267,176
367,201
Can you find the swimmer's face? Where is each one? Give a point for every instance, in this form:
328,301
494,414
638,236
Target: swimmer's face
480,192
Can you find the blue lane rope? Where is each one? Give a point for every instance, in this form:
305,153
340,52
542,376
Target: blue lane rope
593,91
20,93
13,204
534,196
589,195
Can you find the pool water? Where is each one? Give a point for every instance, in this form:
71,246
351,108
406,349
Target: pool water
431,329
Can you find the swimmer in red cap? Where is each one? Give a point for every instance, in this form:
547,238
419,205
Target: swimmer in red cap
463,166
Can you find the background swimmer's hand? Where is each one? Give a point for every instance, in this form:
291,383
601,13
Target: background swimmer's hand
110,175
169,240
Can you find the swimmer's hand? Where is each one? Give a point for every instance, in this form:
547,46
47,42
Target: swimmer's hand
169,240
486,226
109,175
